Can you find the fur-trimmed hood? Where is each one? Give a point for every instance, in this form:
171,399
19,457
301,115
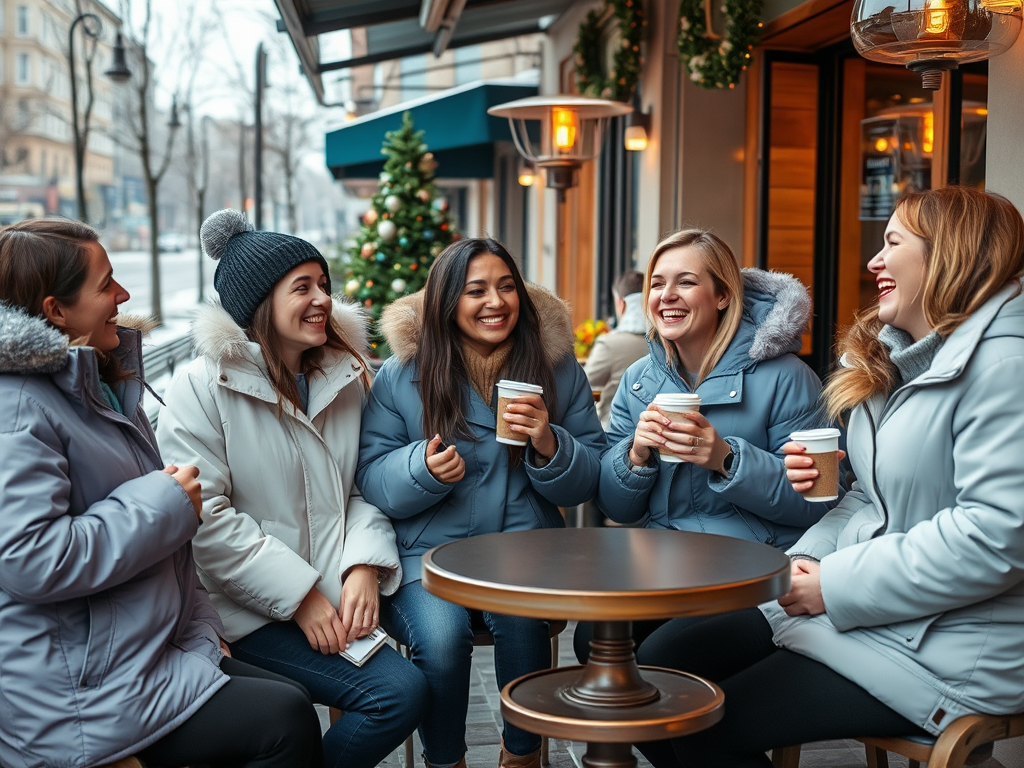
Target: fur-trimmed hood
216,336
780,307
30,345
402,322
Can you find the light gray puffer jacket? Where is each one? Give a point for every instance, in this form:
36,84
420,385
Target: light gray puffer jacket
107,639
922,563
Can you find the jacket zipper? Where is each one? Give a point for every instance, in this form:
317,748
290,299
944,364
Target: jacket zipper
874,472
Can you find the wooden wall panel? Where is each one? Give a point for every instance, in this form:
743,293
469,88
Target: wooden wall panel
792,154
849,272
576,246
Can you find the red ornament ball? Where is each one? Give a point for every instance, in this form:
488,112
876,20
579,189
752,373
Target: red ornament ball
413,266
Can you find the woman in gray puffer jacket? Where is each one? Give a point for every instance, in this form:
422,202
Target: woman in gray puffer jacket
109,645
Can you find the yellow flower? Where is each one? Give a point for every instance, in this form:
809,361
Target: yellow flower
586,333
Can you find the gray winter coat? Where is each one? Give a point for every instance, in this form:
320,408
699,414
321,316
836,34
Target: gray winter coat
922,563
754,397
107,640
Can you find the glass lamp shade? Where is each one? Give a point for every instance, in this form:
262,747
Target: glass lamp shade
930,36
570,131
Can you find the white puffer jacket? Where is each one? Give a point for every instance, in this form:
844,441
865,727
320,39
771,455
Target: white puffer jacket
280,508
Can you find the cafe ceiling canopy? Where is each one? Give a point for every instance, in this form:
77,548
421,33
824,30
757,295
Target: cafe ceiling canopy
394,29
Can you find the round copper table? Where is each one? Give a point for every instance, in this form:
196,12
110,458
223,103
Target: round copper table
611,576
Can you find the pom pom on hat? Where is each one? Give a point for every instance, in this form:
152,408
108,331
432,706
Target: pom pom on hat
220,227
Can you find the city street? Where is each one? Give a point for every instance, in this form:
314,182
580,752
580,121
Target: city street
179,274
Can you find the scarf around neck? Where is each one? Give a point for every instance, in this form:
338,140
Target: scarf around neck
484,372
911,358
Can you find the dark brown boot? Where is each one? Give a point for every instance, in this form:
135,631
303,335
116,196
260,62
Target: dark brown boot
507,760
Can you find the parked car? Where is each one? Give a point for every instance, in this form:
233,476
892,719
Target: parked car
171,242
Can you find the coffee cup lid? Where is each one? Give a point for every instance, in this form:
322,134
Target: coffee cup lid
521,386
815,434
676,398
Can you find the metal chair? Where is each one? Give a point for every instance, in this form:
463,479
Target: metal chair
481,637
963,742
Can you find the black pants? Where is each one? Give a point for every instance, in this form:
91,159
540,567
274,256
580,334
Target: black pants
773,697
257,720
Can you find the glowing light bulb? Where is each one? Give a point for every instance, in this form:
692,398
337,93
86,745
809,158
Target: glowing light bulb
563,123
928,139
936,17
881,145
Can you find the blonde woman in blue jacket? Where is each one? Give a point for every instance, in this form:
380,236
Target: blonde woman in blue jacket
907,602
430,461
731,338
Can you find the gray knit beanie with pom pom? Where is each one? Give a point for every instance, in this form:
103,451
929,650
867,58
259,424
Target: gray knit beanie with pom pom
249,263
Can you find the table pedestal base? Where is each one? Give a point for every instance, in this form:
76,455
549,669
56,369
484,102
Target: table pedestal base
611,703
608,756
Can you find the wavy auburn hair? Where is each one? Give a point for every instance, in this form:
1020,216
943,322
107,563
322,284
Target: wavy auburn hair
974,245
724,271
444,377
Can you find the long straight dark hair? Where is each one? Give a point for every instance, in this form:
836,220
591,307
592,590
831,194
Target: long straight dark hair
444,380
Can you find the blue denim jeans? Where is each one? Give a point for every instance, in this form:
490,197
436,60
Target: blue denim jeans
440,635
383,700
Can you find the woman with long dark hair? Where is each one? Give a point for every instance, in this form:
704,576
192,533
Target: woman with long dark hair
295,559
429,459
907,602
109,645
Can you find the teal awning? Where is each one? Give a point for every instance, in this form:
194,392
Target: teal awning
456,127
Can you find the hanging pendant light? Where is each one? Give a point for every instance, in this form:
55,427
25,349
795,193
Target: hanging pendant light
932,36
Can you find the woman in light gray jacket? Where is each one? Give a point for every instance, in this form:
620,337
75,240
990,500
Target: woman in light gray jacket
109,645
907,602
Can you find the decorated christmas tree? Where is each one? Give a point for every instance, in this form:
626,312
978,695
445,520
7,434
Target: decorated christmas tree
405,229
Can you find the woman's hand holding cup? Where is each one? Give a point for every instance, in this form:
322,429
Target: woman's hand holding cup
446,466
647,436
697,442
800,469
527,415
187,479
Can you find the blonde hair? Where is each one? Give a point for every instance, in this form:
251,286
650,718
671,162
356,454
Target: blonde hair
974,245
722,268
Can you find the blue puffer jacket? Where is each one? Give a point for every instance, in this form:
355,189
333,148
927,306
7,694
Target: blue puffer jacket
107,639
492,497
757,394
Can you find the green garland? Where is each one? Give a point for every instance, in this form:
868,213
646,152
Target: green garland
717,62
620,83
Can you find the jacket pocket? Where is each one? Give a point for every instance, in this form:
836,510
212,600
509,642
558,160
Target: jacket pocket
100,645
909,633
762,530
545,520
411,533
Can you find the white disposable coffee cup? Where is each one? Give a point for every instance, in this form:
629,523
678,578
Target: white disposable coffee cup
673,405
507,391
821,445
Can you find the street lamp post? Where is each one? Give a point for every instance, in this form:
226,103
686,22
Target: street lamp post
200,174
92,27
261,83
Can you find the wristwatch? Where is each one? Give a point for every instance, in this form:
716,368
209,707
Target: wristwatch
727,462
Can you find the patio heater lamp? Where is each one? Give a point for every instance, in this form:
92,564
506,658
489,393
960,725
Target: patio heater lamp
931,36
571,130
